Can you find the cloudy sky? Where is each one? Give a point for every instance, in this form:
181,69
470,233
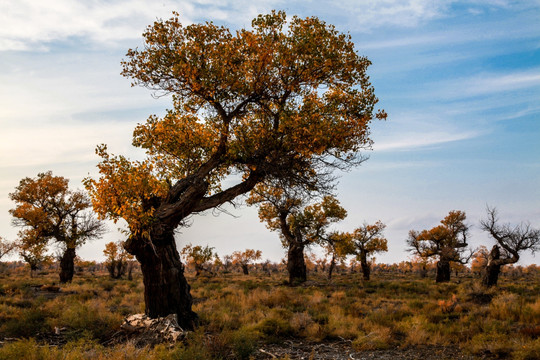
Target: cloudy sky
460,81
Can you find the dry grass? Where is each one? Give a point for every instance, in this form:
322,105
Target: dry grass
238,312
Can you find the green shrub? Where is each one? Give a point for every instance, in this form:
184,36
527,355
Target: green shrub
29,323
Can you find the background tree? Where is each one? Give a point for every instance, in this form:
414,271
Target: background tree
244,258
366,241
422,265
116,259
227,263
47,207
447,242
32,248
199,257
285,99
5,247
336,248
286,210
479,260
511,240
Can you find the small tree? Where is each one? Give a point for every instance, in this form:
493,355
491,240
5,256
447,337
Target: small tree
300,225
46,206
5,247
32,248
511,240
199,257
116,259
368,240
336,247
245,258
479,260
447,242
226,263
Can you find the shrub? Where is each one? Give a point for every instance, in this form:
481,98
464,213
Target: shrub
378,338
29,323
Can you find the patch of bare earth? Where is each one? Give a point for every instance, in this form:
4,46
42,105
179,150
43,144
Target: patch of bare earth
296,350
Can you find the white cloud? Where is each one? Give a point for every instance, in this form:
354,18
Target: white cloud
411,131
415,140
491,83
45,143
26,23
367,15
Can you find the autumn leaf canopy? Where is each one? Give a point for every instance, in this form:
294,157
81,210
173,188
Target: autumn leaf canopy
284,99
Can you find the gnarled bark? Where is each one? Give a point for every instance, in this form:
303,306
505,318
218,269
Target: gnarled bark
443,271
366,270
245,269
296,264
67,265
493,267
166,290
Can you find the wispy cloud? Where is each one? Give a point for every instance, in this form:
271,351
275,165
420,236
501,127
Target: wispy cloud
413,131
492,83
30,25
27,23
54,143
416,140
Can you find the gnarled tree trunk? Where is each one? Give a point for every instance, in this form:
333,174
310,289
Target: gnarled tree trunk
166,290
493,268
443,271
296,264
366,270
67,265
245,269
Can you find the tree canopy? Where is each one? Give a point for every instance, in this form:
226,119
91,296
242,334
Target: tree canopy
447,242
283,100
48,210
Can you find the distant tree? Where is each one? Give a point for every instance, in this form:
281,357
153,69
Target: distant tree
286,210
421,265
479,260
116,259
226,263
447,242
511,240
47,207
244,258
336,245
368,240
283,99
32,248
199,257
5,247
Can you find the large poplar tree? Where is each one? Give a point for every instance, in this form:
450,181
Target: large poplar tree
284,99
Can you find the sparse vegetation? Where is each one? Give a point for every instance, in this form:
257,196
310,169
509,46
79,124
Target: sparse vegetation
240,314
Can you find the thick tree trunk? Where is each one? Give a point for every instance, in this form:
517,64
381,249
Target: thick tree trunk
366,270
491,276
493,268
245,269
443,271
296,264
67,265
166,290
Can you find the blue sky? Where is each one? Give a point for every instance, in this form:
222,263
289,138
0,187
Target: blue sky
460,81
